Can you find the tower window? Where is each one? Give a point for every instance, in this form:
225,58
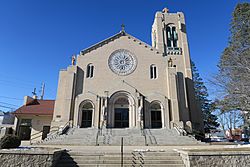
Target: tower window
90,71
172,36
153,72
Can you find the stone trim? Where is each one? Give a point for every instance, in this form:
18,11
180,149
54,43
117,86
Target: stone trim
114,37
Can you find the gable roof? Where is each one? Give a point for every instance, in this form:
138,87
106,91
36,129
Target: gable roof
114,37
37,107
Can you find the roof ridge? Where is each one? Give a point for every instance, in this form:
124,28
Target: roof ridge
112,38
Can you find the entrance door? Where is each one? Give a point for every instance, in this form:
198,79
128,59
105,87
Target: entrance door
86,118
45,131
121,117
156,119
24,132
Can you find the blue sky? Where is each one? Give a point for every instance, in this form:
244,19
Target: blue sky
37,38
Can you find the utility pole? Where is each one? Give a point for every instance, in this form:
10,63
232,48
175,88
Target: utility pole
42,91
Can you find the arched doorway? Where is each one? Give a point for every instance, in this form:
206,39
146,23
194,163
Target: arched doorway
156,117
87,112
121,112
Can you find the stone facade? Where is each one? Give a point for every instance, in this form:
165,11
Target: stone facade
205,158
122,82
29,158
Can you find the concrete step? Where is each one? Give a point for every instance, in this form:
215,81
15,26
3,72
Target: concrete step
119,161
81,152
124,165
70,143
137,159
146,154
131,137
95,162
118,157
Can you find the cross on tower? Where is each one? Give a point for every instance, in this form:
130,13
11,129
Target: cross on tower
123,27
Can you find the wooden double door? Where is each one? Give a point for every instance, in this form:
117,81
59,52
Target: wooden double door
86,118
121,118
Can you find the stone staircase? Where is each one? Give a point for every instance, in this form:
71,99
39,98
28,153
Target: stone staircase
75,136
131,137
112,136
163,137
133,159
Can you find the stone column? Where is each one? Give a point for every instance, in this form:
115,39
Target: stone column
103,121
173,95
97,112
140,114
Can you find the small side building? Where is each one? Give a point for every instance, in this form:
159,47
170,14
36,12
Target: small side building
6,123
33,119
6,119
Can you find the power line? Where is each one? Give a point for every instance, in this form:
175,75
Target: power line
7,107
8,104
19,82
24,86
18,79
15,85
6,97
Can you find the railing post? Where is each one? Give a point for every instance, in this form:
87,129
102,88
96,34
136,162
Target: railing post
122,152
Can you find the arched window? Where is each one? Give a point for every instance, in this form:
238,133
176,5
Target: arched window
153,72
87,112
90,70
155,109
172,36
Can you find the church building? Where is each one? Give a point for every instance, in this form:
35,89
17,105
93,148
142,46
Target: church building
122,82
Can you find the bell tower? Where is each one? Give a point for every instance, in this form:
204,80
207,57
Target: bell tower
169,36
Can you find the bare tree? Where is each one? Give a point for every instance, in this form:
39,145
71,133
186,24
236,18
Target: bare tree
233,79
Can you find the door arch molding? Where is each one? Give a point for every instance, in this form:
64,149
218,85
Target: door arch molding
86,114
156,114
131,108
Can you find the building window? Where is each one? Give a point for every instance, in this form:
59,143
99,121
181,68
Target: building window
172,36
90,71
26,122
153,72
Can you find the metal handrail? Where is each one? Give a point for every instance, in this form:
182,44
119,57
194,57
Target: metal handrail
33,138
97,136
56,131
68,124
143,133
36,134
122,152
196,133
99,133
180,129
142,129
96,140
